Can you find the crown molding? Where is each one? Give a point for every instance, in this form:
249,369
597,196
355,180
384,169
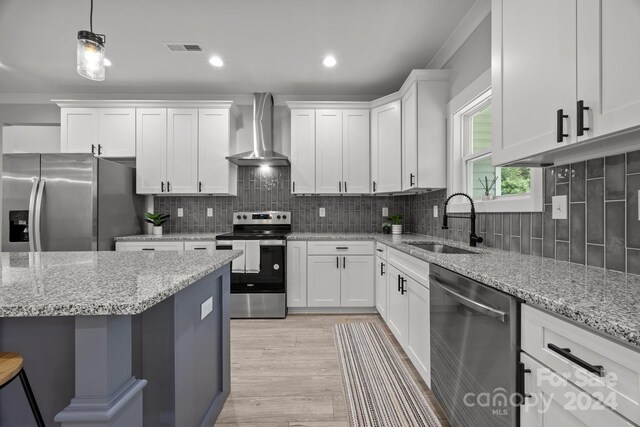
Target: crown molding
135,103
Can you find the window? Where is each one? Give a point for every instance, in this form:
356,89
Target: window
471,170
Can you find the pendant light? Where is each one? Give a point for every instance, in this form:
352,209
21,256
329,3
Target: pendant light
91,52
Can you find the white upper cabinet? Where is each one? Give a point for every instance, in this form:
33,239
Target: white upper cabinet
355,151
182,150
386,148
151,150
533,77
329,151
608,66
303,151
562,72
216,141
410,138
117,132
79,130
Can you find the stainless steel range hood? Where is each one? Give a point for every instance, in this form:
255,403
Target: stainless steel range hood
262,154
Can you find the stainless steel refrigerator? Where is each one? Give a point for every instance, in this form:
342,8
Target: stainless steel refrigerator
67,202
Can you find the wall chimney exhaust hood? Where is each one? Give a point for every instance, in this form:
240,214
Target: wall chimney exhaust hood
262,154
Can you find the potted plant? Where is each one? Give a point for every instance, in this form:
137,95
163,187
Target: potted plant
396,224
157,220
386,228
487,187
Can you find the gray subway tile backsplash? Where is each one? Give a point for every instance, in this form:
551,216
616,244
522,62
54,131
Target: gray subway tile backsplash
602,229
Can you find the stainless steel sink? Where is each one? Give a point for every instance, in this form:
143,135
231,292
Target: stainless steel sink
441,249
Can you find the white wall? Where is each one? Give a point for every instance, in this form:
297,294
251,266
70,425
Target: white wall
31,139
472,59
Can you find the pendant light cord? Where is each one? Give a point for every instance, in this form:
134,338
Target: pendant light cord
91,18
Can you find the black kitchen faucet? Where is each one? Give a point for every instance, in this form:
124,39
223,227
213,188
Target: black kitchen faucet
473,238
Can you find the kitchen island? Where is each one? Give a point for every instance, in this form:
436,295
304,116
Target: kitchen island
112,337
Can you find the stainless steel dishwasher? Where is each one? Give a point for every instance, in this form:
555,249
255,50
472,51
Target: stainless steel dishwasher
474,350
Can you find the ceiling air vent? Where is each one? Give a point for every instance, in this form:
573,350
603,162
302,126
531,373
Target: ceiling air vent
183,47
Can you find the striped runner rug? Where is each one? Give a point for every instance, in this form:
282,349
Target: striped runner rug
379,390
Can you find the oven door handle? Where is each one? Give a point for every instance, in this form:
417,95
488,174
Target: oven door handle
273,243
474,305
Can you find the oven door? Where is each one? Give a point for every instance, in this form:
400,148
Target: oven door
270,278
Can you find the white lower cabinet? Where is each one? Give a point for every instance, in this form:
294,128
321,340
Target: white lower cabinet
340,281
381,286
397,307
296,274
356,281
200,246
324,281
150,246
419,333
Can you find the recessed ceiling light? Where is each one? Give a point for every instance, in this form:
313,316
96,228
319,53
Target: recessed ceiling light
329,61
107,63
216,61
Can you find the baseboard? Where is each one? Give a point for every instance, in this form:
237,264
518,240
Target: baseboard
332,310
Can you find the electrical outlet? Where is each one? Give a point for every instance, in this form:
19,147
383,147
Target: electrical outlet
206,308
180,212
322,213
209,212
435,211
385,212
559,207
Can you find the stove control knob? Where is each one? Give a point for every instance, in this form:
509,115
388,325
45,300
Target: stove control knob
238,217
244,217
278,216
284,217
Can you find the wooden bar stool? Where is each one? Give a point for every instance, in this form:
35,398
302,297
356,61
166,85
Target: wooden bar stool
11,366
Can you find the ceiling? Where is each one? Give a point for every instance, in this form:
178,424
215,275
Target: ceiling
267,45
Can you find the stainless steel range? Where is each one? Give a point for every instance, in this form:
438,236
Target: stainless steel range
258,277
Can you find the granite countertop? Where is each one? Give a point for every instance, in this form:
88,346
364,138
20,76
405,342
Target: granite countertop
170,237
604,300
98,283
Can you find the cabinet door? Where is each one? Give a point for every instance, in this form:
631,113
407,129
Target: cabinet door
397,308
357,281
381,287
418,337
296,274
355,151
151,150
214,141
607,66
533,76
182,150
79,130
386,145
303,151
323,274
329,151
410,138
117,132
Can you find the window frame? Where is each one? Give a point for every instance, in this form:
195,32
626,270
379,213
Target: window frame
469,101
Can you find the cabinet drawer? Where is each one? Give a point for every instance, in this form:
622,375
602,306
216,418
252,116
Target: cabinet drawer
200,246
337,247
149,246
409,265
545,336
381,250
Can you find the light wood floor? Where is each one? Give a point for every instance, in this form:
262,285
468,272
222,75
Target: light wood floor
286,373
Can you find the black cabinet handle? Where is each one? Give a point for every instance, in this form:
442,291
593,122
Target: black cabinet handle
399,283
345,186
560,116
148,249
382,268
379,250
404,290
168,186
294,187
342,248
93,149
411,176
99,149
520,391
344,262
199,186
162,186
374,186
566,353
337,262
339,186
580,118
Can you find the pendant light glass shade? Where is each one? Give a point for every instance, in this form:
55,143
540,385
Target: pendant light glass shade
90,55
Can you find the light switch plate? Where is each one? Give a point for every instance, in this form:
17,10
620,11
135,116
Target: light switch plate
385,212
180,212
559,208
322,213
209,212
206,308
435,211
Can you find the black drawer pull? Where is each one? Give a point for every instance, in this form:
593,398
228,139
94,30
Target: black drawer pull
566,353
379,250
560,116
148,249
580,118
342,248
199,249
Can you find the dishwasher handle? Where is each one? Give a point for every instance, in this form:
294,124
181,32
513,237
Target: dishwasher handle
474,305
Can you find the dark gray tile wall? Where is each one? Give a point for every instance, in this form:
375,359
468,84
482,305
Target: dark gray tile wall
602,228
269,190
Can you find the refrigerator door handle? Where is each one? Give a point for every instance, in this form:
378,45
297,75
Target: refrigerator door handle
32,207
38,215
